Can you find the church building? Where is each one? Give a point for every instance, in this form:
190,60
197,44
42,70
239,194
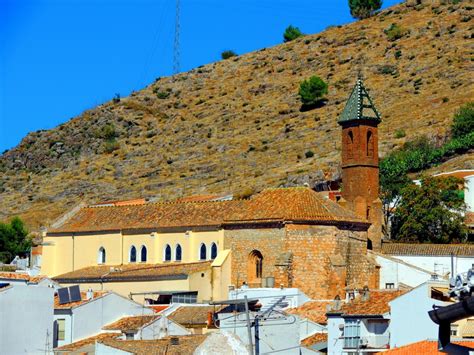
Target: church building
280,237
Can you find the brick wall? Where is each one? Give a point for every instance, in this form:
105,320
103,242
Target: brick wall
242,241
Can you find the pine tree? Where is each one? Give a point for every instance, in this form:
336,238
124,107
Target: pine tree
361,9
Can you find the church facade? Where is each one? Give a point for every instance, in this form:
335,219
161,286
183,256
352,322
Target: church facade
281,237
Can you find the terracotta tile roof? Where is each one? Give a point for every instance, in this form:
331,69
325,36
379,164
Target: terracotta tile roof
313,310
77,303
425,347
86,342
314,339
186,345
376,304
189,316
133,272
196,198
428,249
298,204
131,323
21,276
272,205
158,308
469,219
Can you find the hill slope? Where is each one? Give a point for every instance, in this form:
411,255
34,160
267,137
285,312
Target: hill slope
235,124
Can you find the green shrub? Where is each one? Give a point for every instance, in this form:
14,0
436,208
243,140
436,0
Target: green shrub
395,32
110,146
228,54
398,54
312,91
292,33
463,121
116,98
361,9
162,94
400,133
309,154
108,132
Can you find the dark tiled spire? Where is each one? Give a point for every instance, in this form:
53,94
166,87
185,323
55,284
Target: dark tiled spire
359,106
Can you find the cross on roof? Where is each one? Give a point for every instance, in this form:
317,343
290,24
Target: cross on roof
359,106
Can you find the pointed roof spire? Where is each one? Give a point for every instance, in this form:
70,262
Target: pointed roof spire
359,106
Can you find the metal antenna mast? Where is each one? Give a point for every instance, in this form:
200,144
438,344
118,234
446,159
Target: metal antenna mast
177,30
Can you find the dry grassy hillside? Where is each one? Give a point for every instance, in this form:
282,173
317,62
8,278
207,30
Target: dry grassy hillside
236,124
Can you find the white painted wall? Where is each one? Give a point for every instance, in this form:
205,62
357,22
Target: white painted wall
102,349
294,297
26,319
335,332
308,327
411,310
161,328
469,192
439,264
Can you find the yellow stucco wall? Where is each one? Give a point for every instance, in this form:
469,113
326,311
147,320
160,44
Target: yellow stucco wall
63,254
221,275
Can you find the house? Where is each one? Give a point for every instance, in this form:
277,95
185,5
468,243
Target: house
362,324
146,327
197,319
280,236
81,319
20,308
411,263
84,346
412,308
23,278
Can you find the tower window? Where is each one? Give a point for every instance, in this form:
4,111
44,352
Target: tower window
350,145
143,253
167,253
178,253
213,251
370,144
101,256
133,254
202,252
255,266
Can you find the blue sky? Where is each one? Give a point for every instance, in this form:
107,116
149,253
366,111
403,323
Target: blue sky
61,57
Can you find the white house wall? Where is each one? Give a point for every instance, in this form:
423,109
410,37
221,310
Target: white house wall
101,349
161,328
396,272
26,319
438,264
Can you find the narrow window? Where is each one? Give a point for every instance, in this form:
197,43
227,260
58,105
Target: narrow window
255,266
351,334
143,254
179,253
61,329
101,256
202,252
213,251
133,254
350,145
370,145
167,253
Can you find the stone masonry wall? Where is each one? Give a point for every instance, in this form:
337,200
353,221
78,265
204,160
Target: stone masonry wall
268,241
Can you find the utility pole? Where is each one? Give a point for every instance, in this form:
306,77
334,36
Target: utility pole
257,337
249,327
177,30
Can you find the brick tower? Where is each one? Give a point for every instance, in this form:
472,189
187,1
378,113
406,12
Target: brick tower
360,161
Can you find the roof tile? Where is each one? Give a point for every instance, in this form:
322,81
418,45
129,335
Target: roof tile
131,323
425,347
428,249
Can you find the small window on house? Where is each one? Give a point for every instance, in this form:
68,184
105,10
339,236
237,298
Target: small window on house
101,256
389,285
454,330
143,254
133,254
213,251
202,252
167,253
129,336
61,329
178,253
351,334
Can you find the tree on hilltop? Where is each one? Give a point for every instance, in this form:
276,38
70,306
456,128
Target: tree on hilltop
14,240
292,33
361,9
312,91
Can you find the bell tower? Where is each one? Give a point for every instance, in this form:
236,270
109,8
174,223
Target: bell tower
360,161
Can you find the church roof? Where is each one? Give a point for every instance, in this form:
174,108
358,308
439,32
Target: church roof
359,106
298,204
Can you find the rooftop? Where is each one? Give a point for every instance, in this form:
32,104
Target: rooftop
186,345
461,174
83,300
298,204
313,310
21,276
145,272
315,339
427,347
189,316
376,304
407,249
359,106
131,323
86,342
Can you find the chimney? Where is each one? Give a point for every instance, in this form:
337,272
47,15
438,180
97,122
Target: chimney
365,294
89,294
210,319
174,341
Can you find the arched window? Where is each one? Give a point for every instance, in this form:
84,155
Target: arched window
213,251
350,145
143,254
255,266
101,256
178,253
370,145
167,253
133,254
202,252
